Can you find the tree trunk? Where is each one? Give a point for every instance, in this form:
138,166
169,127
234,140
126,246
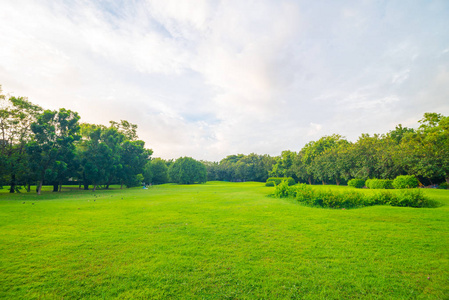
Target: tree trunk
86,187
60,186
39,187
121,187
13,183
324,183
55,186
95,187
310,180
447,180
79,186
28,188
337,181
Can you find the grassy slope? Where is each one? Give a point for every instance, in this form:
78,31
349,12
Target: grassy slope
218,240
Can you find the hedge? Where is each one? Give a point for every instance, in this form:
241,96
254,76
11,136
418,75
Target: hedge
305,194
379,183
357,183
405,182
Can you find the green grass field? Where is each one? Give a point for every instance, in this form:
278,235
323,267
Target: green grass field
217,241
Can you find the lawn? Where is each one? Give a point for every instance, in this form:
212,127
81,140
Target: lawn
217,241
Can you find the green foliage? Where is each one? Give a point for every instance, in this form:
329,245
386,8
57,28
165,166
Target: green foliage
443,185
405,182
379,183
186,170
55,134
282,190
270,183
16,116
252,167
412,198
330,199
159,171
307,195
278,180
356,183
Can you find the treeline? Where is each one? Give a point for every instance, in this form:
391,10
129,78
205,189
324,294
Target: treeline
422,152
52,147
40,146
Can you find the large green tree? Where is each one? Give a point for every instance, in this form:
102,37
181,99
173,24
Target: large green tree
156,171
55,133
16,116
186,170
133,158
426,152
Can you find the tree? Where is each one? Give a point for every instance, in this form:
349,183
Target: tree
16,116
156,171
283,166
186,170
426,152
133,158
97,158
54,135
126,128
312,166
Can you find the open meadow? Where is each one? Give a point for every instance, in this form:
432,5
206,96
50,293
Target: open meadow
217,240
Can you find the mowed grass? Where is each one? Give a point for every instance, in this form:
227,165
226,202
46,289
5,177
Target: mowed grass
217,241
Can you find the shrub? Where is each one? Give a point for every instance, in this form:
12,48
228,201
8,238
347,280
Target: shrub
305,194
405,182
282,190
270,183
443,185
331,199
412,198
379,183
278,180
382,198
357,183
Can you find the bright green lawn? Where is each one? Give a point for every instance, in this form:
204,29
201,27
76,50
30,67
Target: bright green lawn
217,241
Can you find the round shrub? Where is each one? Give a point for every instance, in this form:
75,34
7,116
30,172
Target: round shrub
405,182
269,183
357,183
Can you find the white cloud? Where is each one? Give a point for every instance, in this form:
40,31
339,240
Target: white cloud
211,78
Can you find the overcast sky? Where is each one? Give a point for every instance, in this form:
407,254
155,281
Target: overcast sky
211,78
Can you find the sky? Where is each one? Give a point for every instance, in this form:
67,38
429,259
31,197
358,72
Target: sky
208,79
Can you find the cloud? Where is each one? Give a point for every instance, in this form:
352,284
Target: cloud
212,78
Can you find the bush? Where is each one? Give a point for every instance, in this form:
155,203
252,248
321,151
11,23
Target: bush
278,180
412,198
405,182
306,195
270,183
443,185
282,190
330,199
381,198
379,183
357,183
